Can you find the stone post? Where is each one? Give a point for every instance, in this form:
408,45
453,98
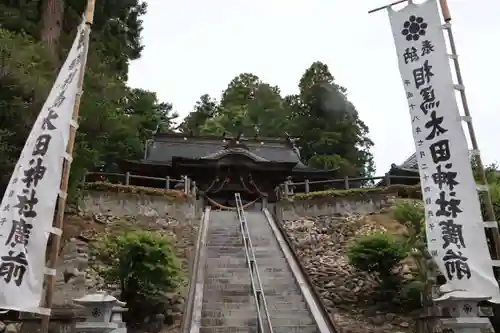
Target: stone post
463,308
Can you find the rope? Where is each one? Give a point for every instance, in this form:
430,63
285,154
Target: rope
213,202
245,186
220,188
216,179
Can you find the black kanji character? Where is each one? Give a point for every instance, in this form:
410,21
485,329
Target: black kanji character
81,39
76,61
35,173
448,207
407,82
13,267
451,234
430,213
440,151
412,106
42,145
47,121
410,55
19,233
414,119
456,265
422,75
434,253
435,125
421,153
441,177
26,206
60,98
428,201
427,47
409,95
3,220
6,208
420,142
427,189
418,130
429,101
11,193
68,79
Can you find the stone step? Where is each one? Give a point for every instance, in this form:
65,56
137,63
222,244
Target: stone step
295,329
250,319
229,329
290,320
229,305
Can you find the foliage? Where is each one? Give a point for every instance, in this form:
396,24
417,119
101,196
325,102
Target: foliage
115,120
145,266
401,191
331,135
411,214
377,253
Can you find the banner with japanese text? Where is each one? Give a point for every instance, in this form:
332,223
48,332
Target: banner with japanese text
27,208
454,228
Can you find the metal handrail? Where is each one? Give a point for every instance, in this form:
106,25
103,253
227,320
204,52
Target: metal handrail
255,281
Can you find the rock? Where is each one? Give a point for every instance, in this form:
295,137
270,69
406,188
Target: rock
404,324
12,328
2,326
320,244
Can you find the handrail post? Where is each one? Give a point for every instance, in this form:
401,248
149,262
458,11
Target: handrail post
193,188
306,185
387,179
346,182
167,182
127,178
186,184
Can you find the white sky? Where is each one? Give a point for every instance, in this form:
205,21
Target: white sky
193,47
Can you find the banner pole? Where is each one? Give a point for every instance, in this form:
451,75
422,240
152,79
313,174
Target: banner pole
61,204
490,211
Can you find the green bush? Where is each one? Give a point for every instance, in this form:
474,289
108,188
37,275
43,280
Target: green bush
145,266
410,295
411,214
377,253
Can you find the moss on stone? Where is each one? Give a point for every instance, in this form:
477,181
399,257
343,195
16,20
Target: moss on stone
401,191
130,189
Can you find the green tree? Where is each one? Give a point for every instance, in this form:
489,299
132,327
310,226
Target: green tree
331,134
114,119
145,266
251,107
205,109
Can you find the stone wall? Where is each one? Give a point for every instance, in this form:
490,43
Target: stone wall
127,204
336,206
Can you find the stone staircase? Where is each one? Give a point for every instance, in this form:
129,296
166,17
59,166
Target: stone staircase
287,307
228,306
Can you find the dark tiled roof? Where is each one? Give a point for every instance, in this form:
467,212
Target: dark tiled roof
165,150
410,163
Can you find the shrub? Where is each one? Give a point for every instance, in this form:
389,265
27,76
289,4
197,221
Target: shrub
411,214
377,253
145,266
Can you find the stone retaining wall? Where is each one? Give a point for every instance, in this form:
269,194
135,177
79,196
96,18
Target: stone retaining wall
335,206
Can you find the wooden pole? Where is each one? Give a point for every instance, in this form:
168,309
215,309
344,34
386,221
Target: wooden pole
387,6
490,211
61,204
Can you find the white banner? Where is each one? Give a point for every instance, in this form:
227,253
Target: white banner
28,205
455,233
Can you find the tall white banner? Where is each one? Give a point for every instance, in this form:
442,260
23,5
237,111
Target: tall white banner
28,205
455,233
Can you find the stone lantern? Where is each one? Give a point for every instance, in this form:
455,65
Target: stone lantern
98,309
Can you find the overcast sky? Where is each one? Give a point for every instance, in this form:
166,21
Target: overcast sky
193,47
